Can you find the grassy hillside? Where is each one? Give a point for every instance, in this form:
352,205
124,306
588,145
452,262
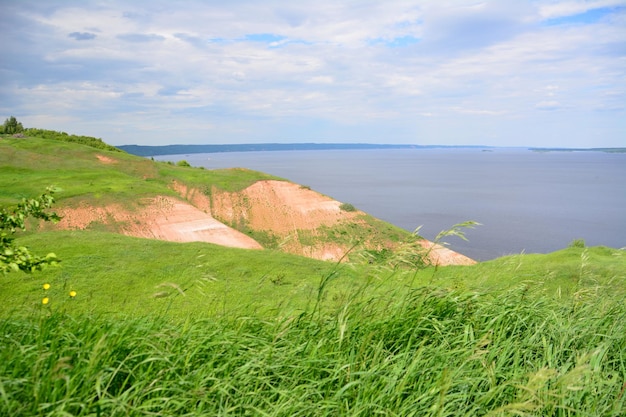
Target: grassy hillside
28,165
121,275
163,328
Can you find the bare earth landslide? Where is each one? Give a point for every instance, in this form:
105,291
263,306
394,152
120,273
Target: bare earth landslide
162,217
281,208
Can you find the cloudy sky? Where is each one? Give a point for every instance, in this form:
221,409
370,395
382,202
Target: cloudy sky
153,72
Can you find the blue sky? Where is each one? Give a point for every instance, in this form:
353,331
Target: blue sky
506,73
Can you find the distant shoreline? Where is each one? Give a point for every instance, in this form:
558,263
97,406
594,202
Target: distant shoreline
608,150
143,150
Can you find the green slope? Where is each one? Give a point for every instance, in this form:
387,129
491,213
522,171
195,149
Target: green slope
116,274
121,275
28,165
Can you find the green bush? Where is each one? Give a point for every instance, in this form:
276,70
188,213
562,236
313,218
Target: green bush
19,258
577,243
347,207
64,137
11,126
183,163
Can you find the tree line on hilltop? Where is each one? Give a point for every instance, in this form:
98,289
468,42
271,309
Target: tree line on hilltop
12,126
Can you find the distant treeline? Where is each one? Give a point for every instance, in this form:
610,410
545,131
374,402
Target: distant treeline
609,150
141,150
62,136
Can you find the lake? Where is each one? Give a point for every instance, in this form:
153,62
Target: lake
526,201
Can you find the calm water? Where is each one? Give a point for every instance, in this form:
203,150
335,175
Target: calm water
526,201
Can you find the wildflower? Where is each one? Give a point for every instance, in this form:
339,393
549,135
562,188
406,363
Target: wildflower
72,293
45,301
46,286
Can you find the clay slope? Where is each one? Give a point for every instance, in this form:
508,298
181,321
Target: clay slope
293,214
303,219
299,220
162,217
440,255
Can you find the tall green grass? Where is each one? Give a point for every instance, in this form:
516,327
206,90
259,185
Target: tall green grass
431,352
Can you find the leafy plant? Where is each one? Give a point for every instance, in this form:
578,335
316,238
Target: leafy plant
11,125
19,258
64,137
577,243
347,207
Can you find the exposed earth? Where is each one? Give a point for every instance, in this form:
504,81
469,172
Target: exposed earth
293,215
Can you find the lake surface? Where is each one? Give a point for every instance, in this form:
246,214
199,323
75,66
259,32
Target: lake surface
533,202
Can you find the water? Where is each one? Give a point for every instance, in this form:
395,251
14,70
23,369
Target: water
533,202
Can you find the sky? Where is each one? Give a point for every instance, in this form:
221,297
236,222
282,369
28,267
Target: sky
547,73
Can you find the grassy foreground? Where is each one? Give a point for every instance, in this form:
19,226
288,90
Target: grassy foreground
430,353
529,335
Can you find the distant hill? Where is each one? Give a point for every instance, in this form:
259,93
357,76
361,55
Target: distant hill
608,150
141,150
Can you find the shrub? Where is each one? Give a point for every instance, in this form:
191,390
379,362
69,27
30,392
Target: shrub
183,163
577,243
11,126
347,207
64,137
19,258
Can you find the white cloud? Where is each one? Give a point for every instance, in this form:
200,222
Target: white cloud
548,105
321,79
557,9
483,112
431,72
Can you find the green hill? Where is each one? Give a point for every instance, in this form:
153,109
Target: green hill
192,328
29,164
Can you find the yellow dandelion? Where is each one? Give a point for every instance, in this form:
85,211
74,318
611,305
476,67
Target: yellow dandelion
72,293
45,301
46,286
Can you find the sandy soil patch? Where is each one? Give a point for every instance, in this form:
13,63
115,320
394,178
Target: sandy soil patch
193,195
284,208
440,255
164,218
279,206
106,159
182,222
